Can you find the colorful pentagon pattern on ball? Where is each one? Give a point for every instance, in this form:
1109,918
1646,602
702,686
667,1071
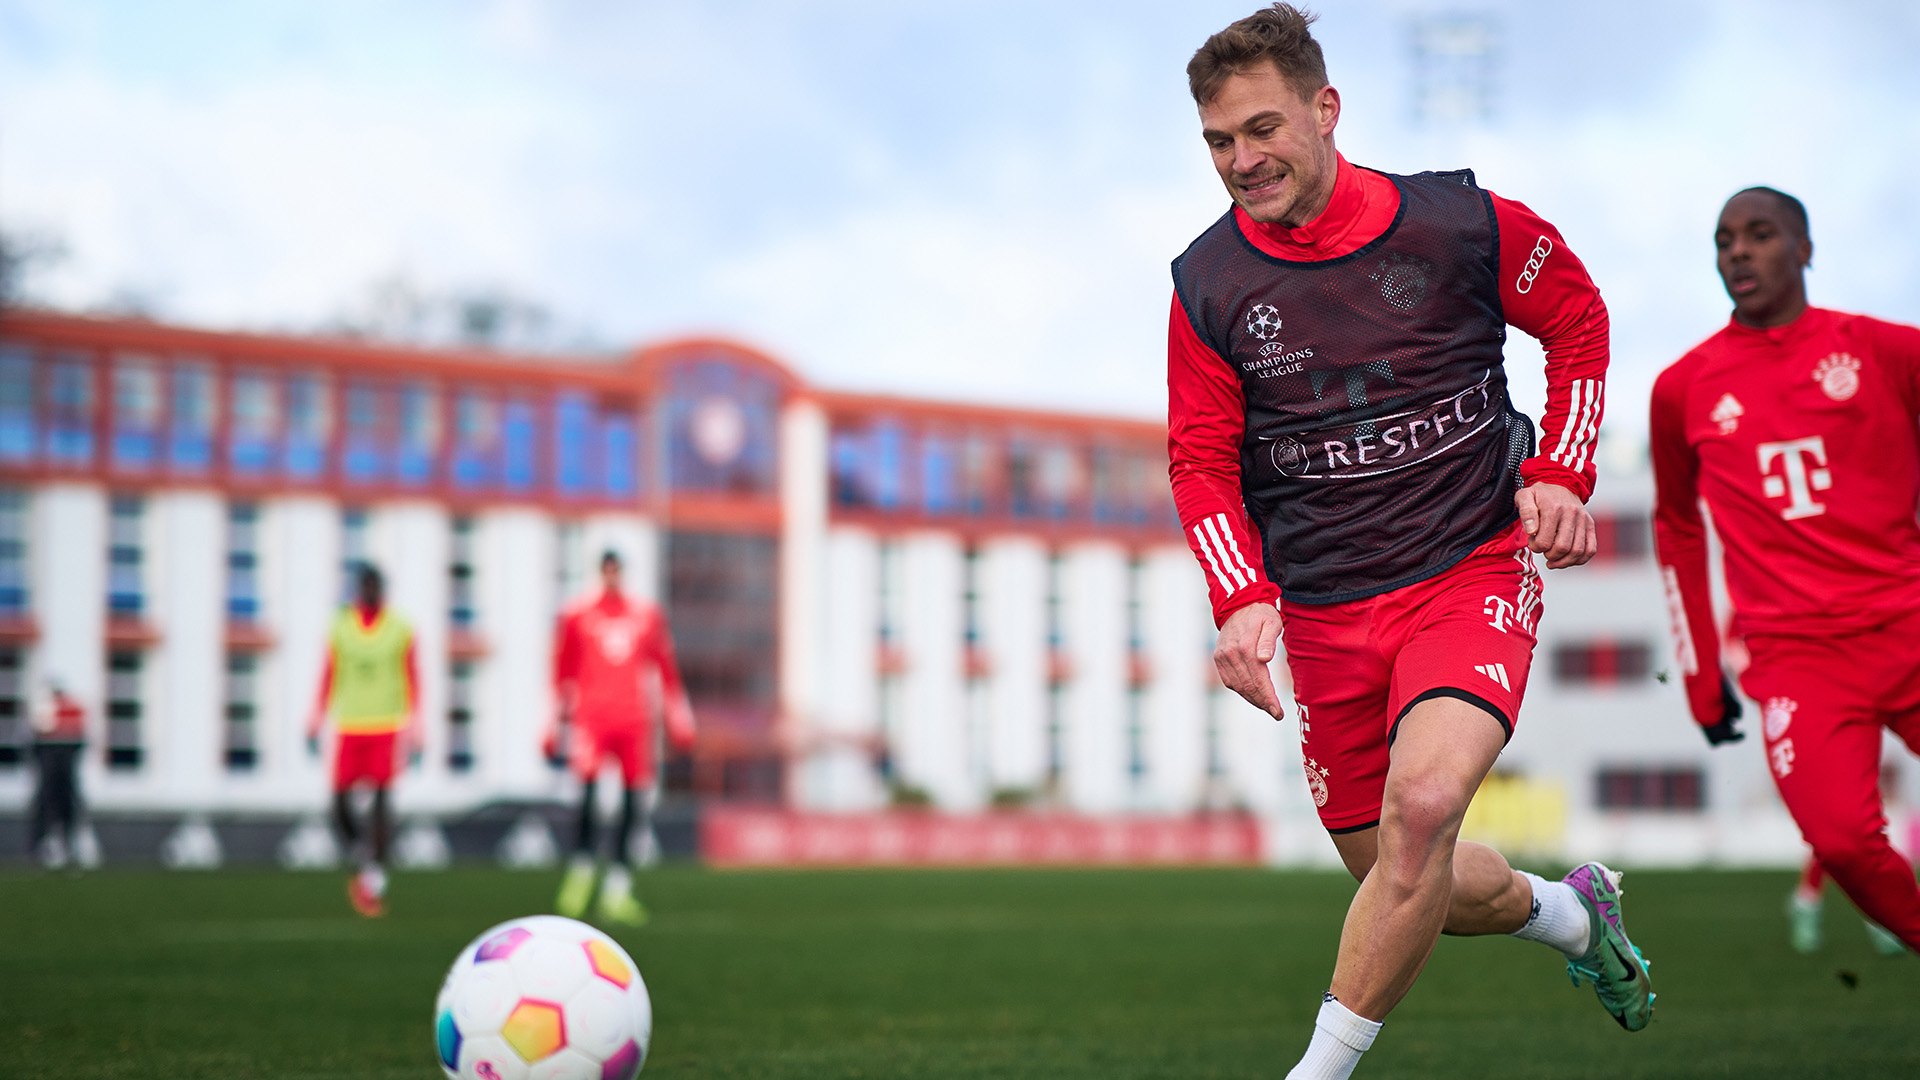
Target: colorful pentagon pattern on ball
501,945
624,1064
609,964
446,1039
535,1029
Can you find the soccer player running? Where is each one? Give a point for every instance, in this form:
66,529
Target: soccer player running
1342,441
1795,426
370,688
610,653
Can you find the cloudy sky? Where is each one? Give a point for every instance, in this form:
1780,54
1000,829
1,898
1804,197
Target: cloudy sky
967,200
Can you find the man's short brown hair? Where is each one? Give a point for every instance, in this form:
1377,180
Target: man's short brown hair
1276,35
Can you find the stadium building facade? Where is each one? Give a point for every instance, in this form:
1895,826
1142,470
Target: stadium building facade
876,601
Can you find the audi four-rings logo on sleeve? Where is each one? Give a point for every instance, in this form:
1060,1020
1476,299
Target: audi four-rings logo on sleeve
1534,262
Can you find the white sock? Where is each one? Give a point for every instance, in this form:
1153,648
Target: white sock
1559,918
374,877
618,881
1340,1036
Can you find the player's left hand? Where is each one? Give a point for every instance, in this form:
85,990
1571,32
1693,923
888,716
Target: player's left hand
1557,523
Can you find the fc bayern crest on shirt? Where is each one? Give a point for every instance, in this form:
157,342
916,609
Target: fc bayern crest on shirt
1777,715
1838,376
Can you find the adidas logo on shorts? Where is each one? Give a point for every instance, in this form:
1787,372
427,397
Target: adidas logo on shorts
1496,672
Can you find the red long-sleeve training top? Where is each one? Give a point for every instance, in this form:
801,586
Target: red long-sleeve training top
1544,291
1801,441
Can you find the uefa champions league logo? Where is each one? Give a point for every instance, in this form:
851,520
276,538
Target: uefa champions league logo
1263,321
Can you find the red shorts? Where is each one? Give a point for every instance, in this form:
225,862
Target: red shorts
629,744
1823,701
363,757
1358,667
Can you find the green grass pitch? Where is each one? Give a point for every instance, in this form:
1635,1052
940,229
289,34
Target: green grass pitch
1040,974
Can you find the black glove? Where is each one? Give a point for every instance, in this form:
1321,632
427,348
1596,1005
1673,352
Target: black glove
1730,711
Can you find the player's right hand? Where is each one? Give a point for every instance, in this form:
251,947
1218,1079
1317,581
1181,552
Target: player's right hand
1248,641
1731,710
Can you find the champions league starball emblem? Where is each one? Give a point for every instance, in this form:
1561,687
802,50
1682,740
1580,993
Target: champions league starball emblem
1263,321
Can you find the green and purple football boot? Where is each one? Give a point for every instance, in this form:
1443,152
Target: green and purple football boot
1612,963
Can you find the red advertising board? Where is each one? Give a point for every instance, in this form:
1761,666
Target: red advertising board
738,837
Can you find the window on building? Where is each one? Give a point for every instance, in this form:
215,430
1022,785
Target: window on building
69,411
941,490
16,733
419,443
309,425
126,555
136,413
1602,663
620,449
243,563
195,416
460,697
519,445
14,591
1623,537
254,434
476,440
574,421
1656,788
243,697
16,403
124,708
353,550
366,452
460,584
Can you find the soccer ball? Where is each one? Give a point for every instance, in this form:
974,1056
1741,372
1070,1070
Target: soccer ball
543,998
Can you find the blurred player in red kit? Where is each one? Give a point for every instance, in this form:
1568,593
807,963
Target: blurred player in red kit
1341,441
1794,425
613,668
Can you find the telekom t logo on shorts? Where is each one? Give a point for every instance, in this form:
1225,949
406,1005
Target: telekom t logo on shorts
1795,480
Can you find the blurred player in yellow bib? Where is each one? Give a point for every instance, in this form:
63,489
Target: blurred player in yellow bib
370,689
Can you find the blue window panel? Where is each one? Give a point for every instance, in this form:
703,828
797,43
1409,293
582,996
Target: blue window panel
69,428
889,464
847,456
573,444
16,403
419,435
1022,481
620,474
476,443
940,475
363,457
519,446
136,414
254,442
190,443
309,423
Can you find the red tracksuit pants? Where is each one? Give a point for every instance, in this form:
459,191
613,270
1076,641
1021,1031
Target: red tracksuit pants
1823,703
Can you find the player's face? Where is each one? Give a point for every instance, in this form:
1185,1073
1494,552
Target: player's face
1762,257
610,575
1272,147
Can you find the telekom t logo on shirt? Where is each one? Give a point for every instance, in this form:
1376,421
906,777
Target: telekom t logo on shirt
1797,482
